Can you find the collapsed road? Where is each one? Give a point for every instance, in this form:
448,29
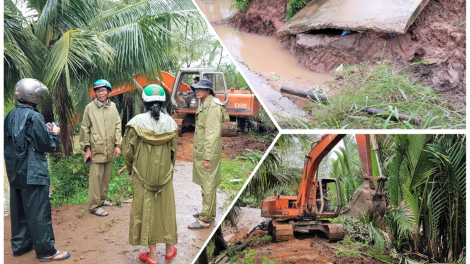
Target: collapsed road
436,36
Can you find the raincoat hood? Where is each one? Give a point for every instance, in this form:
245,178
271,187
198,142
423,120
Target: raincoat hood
154,132
16,128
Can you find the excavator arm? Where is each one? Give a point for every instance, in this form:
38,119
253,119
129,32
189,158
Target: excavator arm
312,161
369,199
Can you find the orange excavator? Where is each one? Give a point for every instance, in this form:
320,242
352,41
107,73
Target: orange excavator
238,102
307,211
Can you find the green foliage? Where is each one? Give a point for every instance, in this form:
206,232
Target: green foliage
236,169
268,261
248,257
346,169
382,86
294,7
267,238
427,188
358,249
241,5
210,250
69,178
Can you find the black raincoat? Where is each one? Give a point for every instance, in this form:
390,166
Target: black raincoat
26,140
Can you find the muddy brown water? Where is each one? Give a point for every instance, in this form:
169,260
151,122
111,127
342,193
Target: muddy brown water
83,238
260,53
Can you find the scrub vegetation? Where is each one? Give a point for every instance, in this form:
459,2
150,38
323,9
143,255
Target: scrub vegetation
294,7
69,178
234,175
381,86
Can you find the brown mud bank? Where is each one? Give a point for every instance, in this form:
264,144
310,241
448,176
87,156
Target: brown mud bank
231,146
304,248
437,36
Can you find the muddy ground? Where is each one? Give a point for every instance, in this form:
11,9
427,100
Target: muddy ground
231,146
304,248
89,243
438,36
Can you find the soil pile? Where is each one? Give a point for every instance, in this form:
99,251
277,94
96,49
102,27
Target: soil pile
248,220
304,248
232,147
300,250
437,36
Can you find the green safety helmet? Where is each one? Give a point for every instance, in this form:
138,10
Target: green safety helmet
29,90
153,93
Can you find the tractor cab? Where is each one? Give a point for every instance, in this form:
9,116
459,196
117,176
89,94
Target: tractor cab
327,199
183,97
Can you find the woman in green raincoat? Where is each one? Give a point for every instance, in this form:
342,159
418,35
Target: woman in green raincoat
149,148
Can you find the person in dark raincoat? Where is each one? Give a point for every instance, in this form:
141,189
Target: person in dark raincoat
207,152
149,149
27,138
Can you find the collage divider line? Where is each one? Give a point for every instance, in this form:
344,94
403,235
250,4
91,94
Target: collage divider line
236,198
211,29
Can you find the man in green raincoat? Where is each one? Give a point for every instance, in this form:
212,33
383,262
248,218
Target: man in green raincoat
100,138
207,150
27,138
149,149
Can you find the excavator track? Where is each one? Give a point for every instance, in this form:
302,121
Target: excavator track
335,232
280,231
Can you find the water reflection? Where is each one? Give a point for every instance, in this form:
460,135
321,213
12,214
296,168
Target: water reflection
260,53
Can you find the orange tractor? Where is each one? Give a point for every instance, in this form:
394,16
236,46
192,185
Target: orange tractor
307,211
238,102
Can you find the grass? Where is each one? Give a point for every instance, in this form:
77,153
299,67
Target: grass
236,169
69,177
382,86
349,248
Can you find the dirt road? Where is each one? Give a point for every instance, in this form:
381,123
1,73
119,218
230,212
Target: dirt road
304,248
95,239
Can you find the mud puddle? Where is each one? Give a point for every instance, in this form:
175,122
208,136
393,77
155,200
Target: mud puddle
84,238
274,101
264,55
260,53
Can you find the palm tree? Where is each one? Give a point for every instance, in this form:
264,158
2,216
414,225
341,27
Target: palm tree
347,169
82,41
427,187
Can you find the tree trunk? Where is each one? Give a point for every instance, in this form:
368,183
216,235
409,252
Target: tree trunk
220,243
64,109
47,109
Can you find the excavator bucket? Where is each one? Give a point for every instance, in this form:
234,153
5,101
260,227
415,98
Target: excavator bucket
370,199
365,201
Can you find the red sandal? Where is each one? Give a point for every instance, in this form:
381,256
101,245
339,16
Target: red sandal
172,254
145,257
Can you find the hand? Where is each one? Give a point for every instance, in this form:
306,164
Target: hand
48,127
326,198
206,164
117,152
56,129
87,154
121,170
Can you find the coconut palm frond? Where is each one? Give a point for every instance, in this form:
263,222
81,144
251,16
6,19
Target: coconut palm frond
141,9
76,53
62,16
